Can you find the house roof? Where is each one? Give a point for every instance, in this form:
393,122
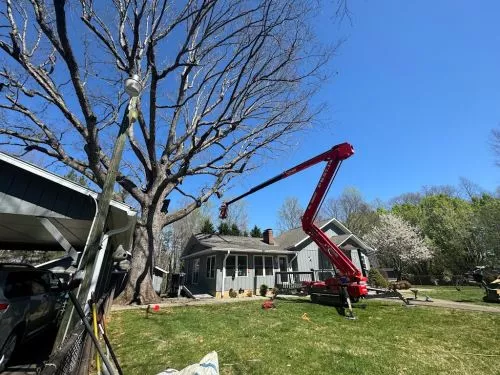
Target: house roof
210,243
284,244
339,240
217,241
293,237
296,236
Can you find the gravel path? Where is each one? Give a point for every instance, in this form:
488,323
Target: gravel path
495,308
174,302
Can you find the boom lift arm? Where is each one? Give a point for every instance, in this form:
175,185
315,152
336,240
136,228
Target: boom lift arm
333,158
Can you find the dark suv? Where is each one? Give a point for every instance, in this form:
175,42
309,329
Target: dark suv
30,299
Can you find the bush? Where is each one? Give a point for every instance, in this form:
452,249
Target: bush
233,293
404,284
249,293
376,279
263,290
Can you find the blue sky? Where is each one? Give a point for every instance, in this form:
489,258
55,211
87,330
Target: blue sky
415,88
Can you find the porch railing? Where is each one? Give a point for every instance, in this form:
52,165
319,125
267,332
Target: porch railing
292,282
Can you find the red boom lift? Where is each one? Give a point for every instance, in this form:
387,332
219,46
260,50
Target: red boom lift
349,283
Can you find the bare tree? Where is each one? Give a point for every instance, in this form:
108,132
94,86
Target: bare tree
237,215
470,189
175,237
350,201
447,190
351,209
225,80
290,214
406,198
495,144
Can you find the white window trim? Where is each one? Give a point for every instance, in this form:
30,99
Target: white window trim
263,265
214,268
236,265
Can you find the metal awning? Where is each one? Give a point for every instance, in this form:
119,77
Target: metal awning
40,210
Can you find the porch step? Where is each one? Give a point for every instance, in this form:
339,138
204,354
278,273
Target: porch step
202,296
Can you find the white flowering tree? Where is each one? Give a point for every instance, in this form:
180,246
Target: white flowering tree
398,244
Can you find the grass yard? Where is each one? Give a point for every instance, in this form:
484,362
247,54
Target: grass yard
468,294
385,339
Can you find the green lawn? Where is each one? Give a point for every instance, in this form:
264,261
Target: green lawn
385,339
468,294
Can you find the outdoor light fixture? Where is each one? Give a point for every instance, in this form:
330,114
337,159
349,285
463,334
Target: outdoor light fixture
133,86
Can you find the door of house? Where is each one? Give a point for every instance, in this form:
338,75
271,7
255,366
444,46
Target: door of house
283,267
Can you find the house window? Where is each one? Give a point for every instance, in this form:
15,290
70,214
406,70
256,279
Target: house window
236,265
258,262
268,265
230,262
263,265
211,267
242,265
196,271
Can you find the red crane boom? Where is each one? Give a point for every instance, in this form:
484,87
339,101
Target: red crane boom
355,282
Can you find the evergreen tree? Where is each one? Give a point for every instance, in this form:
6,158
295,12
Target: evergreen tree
256,232
235,231
207,227
224,228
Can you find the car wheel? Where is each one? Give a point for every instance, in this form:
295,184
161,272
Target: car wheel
7,350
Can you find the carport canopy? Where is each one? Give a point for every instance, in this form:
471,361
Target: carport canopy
40,210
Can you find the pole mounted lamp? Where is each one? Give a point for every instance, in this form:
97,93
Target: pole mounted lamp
92,259
133,88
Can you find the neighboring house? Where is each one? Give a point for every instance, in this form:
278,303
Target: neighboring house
311,258
214,264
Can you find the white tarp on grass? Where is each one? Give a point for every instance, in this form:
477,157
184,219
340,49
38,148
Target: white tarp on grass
209,365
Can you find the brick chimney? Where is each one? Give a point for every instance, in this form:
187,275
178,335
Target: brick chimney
268,236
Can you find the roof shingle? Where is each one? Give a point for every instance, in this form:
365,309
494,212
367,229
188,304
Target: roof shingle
235,242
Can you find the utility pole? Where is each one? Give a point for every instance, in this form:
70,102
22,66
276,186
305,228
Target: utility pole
88,264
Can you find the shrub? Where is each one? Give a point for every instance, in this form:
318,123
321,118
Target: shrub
233,293
249,293
446,277
263,290
376,279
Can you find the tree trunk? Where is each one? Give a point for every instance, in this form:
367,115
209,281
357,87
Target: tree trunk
139,286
